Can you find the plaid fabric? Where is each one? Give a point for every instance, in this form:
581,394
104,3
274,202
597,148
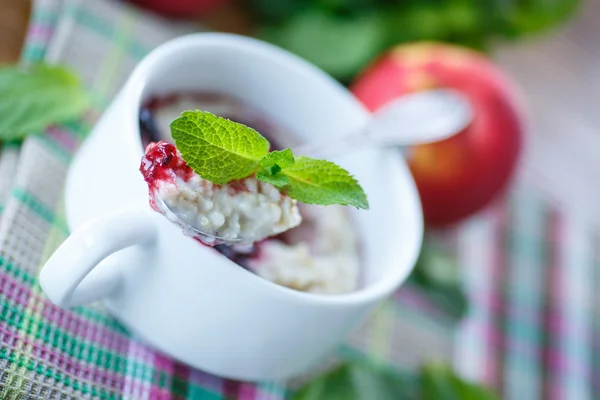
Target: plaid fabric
531,269
528,267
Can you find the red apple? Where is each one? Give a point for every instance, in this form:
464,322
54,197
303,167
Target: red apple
458,176
179,8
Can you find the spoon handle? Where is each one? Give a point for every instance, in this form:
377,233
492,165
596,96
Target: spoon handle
415,118
333,147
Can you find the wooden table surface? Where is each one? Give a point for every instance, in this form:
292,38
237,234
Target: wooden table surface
14,16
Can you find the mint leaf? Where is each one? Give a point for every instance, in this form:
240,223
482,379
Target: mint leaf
216,148
323,182
278,180
356,380
276,160
31,98
341,46
439,381
272,165
436,277
360,379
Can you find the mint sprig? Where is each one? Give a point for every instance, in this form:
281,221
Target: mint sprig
221,151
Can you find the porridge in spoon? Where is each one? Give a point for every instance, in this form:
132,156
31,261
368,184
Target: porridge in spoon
302,246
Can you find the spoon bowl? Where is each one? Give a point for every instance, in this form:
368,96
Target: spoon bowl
194,231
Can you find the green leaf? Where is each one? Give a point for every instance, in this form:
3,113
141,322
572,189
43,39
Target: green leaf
437,266
274,10
216,148
272,164
356,381
436,276
278,159
277,180
439,382
338,45
360,380
31,98
323,182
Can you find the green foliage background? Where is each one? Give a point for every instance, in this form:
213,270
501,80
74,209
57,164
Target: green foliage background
342,36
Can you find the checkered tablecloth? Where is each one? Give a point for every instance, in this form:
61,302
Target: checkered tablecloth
529,267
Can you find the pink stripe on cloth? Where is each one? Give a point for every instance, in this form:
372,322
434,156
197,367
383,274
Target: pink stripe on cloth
206,380
266,395
554,322
552,357
157,392
411,299
247,391
137,384
39,33
493,303
63,137
163,364
494,335
73,324
231,389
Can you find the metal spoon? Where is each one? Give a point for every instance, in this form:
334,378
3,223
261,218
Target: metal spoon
417,118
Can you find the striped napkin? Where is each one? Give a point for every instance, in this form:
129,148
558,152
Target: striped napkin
529,268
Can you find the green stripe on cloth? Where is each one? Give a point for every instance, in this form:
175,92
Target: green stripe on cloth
31,202
61,153
524,269
34,52
121,35
380,332
53,373
105,29
45,17
80,128
198,392
21,275
89,20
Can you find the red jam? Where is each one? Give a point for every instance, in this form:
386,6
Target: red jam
162,163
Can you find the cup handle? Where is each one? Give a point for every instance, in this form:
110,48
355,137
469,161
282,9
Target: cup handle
84,249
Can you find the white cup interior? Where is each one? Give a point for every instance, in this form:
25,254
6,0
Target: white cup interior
275,87
295,95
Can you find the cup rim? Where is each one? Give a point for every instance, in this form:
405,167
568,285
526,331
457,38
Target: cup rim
135,88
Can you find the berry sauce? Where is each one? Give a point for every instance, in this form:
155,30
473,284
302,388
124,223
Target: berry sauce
162,163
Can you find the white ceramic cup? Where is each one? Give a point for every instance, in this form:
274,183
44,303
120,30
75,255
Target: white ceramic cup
186,299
